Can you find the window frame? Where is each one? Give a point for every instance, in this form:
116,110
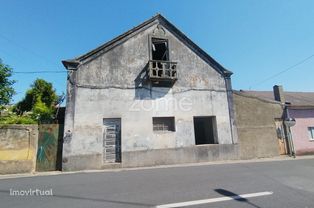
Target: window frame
170,128
310,130
162,40
150,45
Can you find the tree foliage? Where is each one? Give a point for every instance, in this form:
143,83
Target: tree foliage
6,88
40,100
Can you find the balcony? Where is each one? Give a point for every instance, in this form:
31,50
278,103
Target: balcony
162,71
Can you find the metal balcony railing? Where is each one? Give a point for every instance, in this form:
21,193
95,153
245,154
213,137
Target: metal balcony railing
162,70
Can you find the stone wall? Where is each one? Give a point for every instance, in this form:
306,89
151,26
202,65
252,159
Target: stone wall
18,148
255,119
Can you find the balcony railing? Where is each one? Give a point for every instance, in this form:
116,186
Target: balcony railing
162,70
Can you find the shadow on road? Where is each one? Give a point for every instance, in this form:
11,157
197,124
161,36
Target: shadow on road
235,197
95,200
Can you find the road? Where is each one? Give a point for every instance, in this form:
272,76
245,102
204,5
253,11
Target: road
287,183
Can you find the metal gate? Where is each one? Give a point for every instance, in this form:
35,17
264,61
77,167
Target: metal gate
49,152
112,140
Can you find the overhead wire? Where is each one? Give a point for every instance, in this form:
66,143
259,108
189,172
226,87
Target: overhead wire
283,71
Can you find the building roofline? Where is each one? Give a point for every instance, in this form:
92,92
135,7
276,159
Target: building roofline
301,107
70,63
256,97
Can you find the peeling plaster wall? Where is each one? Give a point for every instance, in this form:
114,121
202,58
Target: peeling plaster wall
107,89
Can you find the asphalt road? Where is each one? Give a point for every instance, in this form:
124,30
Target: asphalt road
288,184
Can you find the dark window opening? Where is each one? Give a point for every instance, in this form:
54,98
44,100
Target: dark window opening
311,132
160,49
163,124
205,129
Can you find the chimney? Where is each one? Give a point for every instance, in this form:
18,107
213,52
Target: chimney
278,93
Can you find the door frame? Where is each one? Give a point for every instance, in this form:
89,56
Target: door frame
118,144
213,122
281,137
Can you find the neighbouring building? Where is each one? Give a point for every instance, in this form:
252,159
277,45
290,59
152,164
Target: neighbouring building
297,105
148,97
258,122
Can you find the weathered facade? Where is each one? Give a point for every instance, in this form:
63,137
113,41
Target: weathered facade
258,123
150,96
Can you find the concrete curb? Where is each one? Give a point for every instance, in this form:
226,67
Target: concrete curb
259,160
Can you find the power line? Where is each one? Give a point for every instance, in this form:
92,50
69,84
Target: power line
37,72
34,54
283,71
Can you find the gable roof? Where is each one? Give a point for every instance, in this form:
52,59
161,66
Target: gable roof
297,99
72,64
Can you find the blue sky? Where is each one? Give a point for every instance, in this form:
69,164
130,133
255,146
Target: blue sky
254,39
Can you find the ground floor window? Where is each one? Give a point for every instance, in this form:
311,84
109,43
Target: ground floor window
311,133
163,124
205,130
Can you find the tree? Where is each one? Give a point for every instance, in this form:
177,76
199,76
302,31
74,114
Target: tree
40,99
6,89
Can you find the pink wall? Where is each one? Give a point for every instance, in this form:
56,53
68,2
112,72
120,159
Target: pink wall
300,135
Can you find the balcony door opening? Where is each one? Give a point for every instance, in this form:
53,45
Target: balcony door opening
161,71
205,129
160,50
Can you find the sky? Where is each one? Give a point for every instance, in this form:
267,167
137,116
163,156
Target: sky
263,42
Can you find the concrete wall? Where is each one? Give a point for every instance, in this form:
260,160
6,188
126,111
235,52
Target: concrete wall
256,126
191,154
18,148
111,86
300,135
142,158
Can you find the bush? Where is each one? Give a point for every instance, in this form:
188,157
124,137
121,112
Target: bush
16,119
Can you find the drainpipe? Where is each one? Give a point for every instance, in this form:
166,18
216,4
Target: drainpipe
234,134
289,122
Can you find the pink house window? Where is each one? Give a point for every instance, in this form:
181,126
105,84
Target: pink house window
311,133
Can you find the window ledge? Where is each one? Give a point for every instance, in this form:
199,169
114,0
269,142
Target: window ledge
163,132
200,145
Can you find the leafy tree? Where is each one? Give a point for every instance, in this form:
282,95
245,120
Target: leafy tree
6,89
40,99
41,111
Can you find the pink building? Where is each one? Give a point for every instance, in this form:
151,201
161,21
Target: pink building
303,131
300,106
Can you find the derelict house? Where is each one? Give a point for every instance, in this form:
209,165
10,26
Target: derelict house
148,97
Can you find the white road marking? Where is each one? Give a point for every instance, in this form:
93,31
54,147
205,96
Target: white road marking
219,199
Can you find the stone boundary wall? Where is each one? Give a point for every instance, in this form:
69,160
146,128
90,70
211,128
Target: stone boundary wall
18,148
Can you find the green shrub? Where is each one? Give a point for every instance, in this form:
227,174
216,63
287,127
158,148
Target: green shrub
16,119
